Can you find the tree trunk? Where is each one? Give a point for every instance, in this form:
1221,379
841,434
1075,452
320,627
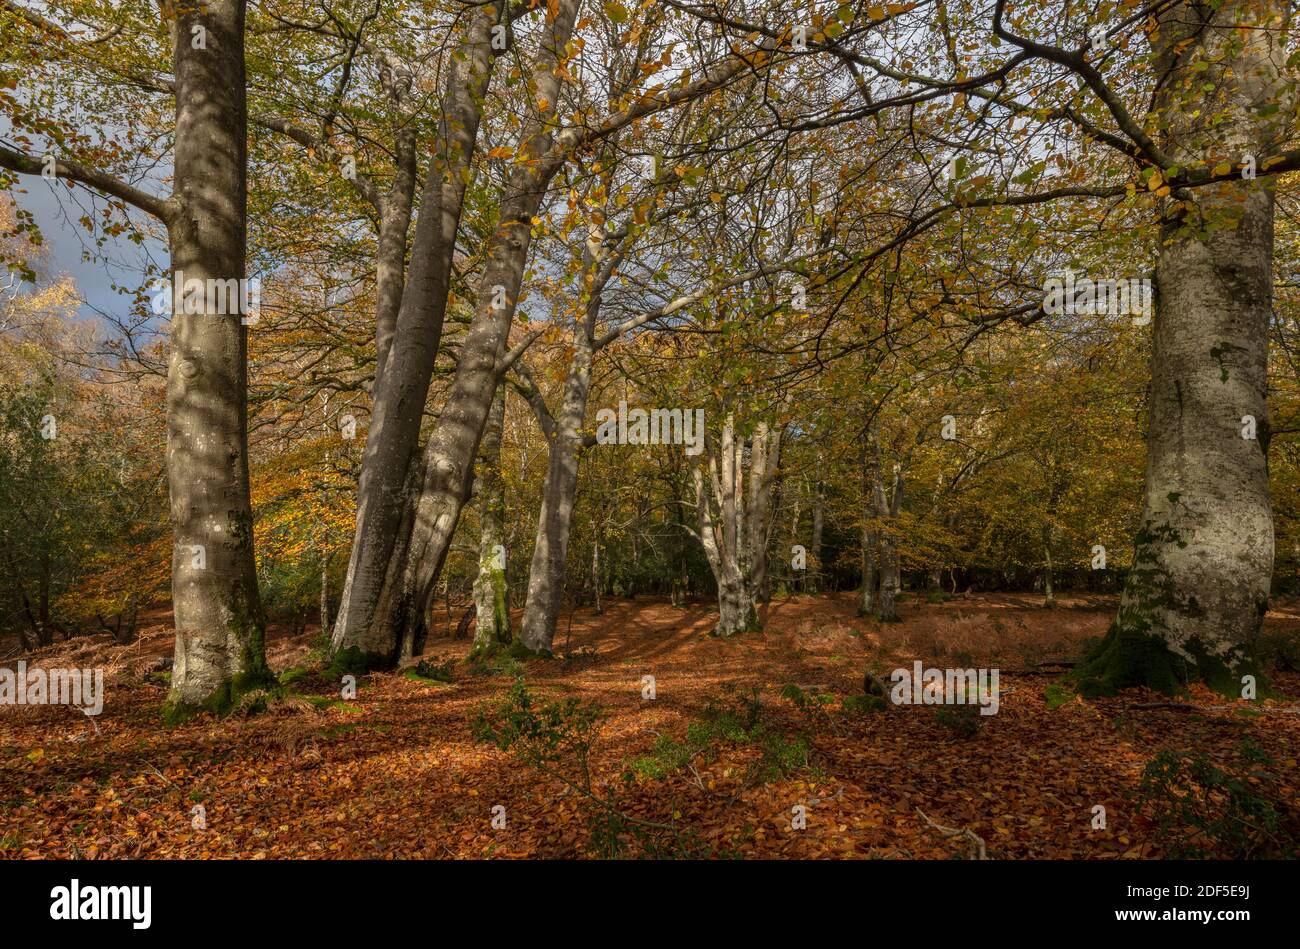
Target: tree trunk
869,595
797,514
888,598
736,547
1049,598
1203,557
546,575
325,593
447,467
888,505
44,629
764,464
401,389
390,257
220,625
736,612
815,561
491,597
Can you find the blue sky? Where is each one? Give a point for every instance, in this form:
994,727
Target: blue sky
57,210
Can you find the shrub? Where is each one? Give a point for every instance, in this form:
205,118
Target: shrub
434,671
863,704
1279,651
1201,810
964,721
743,720
1057,695
556,738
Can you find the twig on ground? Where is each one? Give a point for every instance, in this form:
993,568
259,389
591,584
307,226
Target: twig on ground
977,849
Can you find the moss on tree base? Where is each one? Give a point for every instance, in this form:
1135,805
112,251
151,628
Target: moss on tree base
1127,658
175,711
517,650
354,661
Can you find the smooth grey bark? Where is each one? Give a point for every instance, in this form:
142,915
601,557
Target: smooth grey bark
730,536
419,545
402,385
887,503
491,594
548,570
447,464
1203,558
218,615
819,502
1049,594
796,516
546,575
868,592
220,624
395,212
765,462
325,593
1048,534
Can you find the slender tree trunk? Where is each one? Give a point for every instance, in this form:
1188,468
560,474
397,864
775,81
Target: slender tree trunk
869,599
390,258
32,622
1203,558
869,591
491,596
736,545
402,386
546,575
325,560
764,465
888,598
220,625
796,515
888,506
1049,597
45,630
815,561
447,468
547,572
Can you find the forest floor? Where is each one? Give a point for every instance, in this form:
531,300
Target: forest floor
397,772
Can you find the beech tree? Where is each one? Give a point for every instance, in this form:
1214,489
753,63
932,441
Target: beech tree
733,502
1221,111
218,612
849,247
